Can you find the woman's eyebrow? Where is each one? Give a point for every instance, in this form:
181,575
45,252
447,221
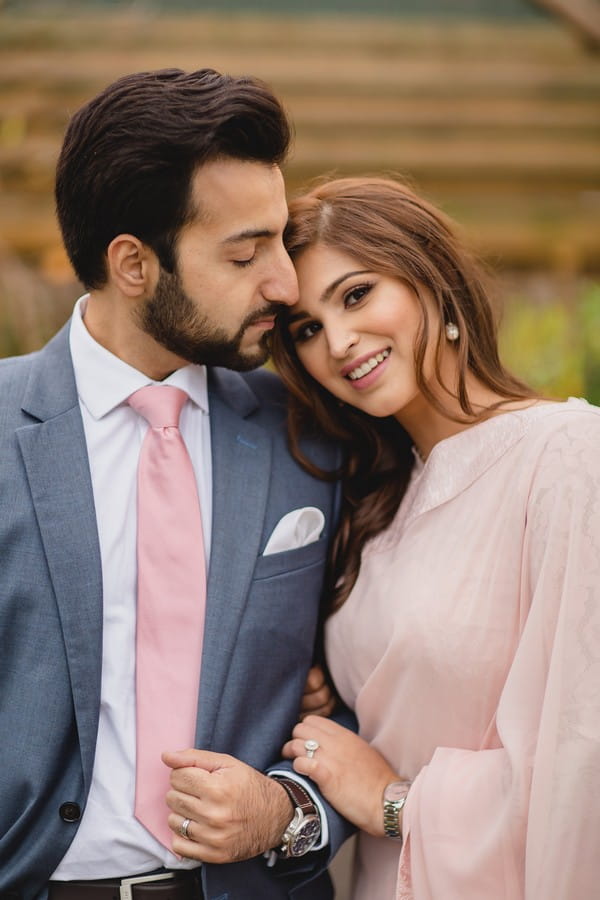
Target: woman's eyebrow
335,284
295,317
326,295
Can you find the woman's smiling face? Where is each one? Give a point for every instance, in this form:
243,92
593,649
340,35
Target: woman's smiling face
355,331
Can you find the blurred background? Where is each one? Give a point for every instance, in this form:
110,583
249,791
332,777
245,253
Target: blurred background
491,109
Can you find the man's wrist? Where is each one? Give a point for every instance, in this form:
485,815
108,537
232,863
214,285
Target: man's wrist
283,812
311,789
304,830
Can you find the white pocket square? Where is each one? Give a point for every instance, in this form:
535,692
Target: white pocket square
296,529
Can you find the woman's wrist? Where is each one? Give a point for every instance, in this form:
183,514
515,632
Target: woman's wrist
373,822
394,797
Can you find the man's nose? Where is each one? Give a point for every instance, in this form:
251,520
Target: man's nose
282,286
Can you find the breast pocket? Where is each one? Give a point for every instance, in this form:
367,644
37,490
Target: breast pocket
290,561
283,607
273,650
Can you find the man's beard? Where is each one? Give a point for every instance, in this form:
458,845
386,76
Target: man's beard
171,318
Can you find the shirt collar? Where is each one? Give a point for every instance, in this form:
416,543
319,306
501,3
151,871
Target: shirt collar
104,381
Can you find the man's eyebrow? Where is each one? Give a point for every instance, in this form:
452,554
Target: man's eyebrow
329,290
248,234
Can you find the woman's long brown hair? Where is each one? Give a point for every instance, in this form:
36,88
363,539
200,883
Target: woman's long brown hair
390,230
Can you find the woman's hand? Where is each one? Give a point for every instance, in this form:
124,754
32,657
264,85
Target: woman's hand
350,773
318,697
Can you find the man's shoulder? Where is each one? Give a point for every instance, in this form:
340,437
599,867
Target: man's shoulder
271,397
14,377
266,385
258,394
14,370
16,363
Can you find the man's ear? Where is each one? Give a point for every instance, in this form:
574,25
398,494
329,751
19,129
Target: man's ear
132,265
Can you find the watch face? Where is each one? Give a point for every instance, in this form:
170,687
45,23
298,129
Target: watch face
306,836
395,791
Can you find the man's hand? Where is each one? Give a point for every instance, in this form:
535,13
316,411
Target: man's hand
235,812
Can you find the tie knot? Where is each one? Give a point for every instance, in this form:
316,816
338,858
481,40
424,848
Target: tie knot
159,404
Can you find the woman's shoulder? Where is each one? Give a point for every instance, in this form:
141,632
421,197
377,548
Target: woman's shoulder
575,422
568,410
564,447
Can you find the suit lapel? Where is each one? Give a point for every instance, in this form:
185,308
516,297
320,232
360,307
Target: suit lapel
55,458
241,454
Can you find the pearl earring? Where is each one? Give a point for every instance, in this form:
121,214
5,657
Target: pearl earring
452,331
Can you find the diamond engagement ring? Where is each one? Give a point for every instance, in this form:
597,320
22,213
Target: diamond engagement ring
311,748
183,829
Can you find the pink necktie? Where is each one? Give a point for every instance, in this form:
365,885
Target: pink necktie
171,601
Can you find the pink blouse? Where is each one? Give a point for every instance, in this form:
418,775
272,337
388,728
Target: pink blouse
470,650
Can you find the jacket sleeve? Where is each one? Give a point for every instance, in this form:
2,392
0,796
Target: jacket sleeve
337,829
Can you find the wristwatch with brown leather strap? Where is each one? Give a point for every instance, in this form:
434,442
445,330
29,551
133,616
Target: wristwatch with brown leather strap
304,830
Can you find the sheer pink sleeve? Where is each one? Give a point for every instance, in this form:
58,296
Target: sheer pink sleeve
522,820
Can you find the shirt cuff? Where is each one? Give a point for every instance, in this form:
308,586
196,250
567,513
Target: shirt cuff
324,840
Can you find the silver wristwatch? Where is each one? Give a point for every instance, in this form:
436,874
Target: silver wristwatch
394,798
304,830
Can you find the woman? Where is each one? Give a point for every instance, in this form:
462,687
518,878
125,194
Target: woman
465,624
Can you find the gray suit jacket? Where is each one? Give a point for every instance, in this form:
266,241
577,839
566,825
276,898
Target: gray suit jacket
261,619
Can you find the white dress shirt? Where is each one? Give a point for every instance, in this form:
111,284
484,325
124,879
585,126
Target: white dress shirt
110,842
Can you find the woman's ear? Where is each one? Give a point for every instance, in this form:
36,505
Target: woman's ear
132,265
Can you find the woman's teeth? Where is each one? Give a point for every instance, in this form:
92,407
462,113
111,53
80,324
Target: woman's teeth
368,366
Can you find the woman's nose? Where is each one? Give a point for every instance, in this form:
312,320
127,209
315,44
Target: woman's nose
340,342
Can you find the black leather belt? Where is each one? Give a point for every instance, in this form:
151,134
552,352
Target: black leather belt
183,885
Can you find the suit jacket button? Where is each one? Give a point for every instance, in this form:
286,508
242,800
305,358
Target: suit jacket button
70,812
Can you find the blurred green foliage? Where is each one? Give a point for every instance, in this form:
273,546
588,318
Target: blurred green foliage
555,346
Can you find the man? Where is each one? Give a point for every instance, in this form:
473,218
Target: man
172,209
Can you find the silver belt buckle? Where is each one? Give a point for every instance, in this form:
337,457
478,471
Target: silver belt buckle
125,890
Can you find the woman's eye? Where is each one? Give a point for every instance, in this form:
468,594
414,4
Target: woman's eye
306,332
356,294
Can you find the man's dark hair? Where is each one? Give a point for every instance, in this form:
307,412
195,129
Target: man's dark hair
129,155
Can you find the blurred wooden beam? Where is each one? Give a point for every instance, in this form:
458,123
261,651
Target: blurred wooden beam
583,16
